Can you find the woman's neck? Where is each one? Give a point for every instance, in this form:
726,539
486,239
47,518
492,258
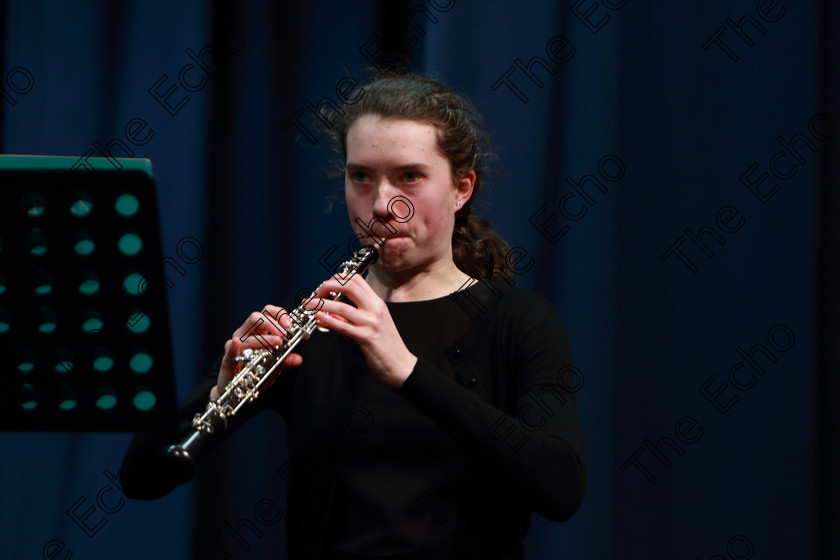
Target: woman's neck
411,285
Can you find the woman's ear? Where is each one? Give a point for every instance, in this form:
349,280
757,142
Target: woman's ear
464,187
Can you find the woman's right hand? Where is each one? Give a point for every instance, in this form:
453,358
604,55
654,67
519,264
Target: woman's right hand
260,330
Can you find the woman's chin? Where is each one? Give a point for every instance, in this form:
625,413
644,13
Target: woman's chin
393,255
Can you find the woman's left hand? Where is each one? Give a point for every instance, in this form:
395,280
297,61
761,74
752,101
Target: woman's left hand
369,324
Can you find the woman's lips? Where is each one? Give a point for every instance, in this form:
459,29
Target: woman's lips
384,237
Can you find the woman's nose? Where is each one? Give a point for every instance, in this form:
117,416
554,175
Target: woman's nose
381,203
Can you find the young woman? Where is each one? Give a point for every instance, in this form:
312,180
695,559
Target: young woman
436,413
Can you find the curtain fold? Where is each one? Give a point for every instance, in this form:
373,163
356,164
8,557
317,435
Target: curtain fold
826,483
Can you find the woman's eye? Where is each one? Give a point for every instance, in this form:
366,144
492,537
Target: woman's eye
411,177
359,177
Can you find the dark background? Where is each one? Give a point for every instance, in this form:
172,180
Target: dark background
641,95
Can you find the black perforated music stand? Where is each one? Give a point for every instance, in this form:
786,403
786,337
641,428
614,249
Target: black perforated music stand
84,323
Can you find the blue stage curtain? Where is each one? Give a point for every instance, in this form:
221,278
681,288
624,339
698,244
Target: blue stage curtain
668,171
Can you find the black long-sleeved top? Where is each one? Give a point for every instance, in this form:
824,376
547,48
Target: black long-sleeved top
449,465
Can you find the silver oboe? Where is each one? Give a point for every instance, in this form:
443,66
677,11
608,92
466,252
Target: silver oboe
177,462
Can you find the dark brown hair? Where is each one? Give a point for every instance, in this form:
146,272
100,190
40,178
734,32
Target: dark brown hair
476,249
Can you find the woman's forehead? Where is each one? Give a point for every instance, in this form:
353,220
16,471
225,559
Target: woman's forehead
372,136
376,125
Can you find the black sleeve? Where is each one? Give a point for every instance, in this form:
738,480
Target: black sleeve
140,475
538,454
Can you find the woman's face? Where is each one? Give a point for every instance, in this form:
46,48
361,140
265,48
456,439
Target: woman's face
388,158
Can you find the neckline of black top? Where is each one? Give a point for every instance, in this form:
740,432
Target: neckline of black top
450,296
